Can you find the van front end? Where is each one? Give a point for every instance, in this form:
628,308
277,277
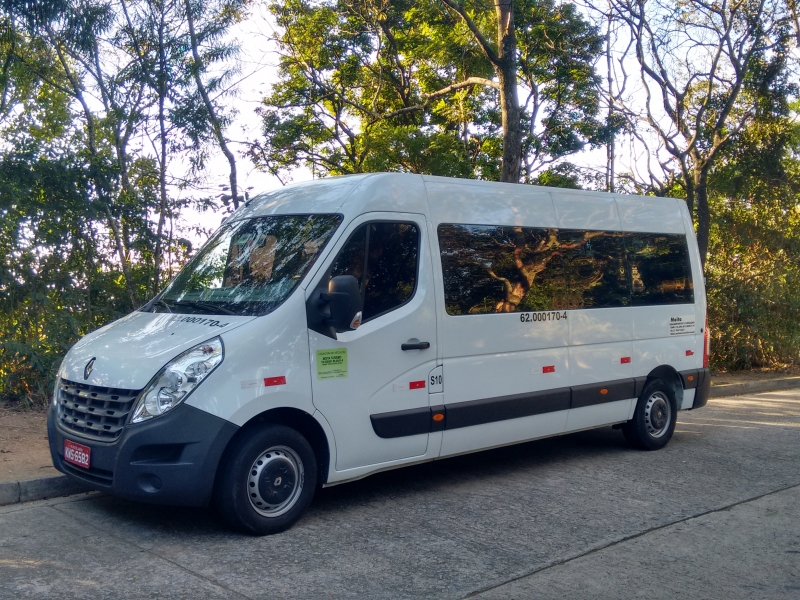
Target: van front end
146,407
133,436
170,460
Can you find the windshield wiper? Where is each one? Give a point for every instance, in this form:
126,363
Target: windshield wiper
164,304
207,306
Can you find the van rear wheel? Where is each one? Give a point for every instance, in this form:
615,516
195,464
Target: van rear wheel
267,480
655,417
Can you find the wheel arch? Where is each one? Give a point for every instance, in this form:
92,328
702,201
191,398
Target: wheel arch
300,421
669,375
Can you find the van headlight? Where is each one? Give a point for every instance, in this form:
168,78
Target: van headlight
177,380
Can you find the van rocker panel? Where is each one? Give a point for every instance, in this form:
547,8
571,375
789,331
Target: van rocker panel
171,459
503,408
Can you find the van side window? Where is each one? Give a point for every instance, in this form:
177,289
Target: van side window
489,269
383,257
596,269
660,269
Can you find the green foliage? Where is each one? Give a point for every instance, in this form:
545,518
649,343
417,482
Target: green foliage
753,268
85,208
404,86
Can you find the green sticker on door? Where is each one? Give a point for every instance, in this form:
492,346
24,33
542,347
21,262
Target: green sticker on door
332,364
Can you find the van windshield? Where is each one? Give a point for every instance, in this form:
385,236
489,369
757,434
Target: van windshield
248,267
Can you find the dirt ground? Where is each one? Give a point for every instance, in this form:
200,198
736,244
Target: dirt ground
24,452
754,375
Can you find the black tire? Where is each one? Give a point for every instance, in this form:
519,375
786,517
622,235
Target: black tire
655,417
267,480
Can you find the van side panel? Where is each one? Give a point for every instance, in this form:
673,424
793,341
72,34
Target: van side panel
497,356
599,338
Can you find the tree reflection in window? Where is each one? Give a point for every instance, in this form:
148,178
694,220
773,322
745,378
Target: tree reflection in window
660,271
596,269
390,276
489,269
493,269
249,267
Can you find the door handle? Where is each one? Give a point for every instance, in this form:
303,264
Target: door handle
415,346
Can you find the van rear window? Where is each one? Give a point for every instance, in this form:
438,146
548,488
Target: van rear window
494,269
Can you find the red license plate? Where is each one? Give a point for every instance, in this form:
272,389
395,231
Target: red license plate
77,454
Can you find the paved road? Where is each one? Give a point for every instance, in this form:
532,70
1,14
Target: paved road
716,514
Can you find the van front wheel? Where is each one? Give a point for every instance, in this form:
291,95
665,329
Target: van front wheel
654,419
267,481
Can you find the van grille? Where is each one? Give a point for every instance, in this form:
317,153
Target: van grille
95,412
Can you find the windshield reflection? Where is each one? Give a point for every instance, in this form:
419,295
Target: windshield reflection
248,267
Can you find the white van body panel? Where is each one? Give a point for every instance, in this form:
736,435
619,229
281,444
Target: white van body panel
503,433
484,203
270,347
586,210
649,215
131,350
318,196
379,374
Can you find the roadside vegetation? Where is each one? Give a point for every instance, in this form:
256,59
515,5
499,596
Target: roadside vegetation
111,109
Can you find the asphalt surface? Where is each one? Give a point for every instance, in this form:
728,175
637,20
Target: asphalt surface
716,514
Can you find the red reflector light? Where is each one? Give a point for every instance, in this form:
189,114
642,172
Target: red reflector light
689,353
625,360
550,369
417,385
270,381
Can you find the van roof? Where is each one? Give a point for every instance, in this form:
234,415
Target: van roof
450,200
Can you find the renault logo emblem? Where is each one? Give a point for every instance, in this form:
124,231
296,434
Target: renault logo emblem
87,370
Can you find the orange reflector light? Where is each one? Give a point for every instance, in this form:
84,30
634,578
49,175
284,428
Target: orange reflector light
690,378
604,391
438,417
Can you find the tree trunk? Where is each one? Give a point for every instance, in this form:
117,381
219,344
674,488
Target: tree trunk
162,160
216,125
509,100
703,213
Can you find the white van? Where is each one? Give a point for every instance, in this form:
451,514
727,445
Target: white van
337,328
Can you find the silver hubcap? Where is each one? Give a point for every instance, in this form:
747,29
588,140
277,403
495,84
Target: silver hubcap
275,481
657,414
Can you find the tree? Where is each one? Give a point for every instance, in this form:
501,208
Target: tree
705,68
752,270
217,20
418,86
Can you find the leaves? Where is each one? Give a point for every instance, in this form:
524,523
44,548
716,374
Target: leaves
406,86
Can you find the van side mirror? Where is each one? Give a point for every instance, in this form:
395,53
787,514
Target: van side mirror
338,309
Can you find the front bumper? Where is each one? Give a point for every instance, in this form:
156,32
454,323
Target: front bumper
170,460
